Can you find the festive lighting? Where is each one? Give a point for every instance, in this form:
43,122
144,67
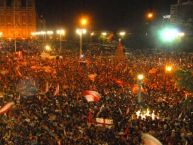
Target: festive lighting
140,77
1,34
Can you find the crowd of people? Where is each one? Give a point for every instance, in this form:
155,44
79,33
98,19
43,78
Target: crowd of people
50,108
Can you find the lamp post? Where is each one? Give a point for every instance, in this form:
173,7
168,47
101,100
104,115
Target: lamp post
122,35
150,15
81,32
61,33
140,78
168,70
1,35
48,48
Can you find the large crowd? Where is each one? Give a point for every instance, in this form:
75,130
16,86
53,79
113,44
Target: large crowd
41,116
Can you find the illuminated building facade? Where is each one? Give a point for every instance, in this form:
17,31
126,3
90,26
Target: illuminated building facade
17,18
182,14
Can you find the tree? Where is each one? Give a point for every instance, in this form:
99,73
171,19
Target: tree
184,79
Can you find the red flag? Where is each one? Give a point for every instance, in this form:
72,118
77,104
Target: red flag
5,108
136,89
91,96
119,83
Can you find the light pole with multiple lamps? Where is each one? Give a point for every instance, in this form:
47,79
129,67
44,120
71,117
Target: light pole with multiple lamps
122,35
168,70
81,32
61,33
140,79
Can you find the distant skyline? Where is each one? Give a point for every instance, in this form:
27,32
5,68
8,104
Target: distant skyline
105,14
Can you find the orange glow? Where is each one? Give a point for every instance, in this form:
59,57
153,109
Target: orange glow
168,68
150,15
83,21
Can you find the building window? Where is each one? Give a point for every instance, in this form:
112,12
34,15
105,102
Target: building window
9,3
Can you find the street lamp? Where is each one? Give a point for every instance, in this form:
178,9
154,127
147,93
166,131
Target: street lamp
92,34
140,78
48,48
83,21
150,15
168,68
61,33
81,32
104,34
122,35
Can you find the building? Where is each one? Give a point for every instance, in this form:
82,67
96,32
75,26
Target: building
17,18
182,14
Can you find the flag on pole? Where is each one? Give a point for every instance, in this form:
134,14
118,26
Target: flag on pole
108,123
91,96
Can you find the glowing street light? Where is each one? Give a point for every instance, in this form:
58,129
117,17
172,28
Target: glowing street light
150,15
104,34
81,32
83,21
168,68
1,34
49,32
48,48
61,33
140,78
92,34
122,33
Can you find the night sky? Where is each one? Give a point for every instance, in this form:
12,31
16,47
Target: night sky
104,14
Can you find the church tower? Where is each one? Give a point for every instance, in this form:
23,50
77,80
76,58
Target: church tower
17,18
